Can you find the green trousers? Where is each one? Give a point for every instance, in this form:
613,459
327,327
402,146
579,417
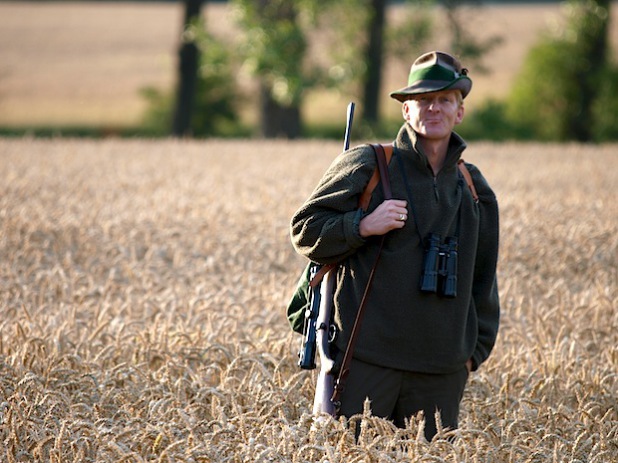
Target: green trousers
398,395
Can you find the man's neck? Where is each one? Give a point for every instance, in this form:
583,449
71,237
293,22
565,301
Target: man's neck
435,150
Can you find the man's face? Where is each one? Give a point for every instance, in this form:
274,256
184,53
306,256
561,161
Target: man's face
434,115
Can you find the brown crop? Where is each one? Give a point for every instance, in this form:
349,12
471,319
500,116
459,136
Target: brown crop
143,286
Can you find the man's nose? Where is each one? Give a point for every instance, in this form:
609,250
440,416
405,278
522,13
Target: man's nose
433,105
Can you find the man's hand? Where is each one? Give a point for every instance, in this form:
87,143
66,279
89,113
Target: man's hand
469,365
389,215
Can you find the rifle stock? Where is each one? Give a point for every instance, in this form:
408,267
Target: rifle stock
325,383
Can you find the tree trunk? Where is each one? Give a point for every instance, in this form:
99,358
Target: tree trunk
187,74
374,59
277,121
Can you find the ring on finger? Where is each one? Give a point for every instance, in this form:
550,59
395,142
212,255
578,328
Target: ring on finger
402,217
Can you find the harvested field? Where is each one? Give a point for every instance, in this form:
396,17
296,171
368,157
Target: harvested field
142,294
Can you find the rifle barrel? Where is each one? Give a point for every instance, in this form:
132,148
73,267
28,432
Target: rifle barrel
348,126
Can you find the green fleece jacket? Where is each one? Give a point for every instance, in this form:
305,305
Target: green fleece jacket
404,328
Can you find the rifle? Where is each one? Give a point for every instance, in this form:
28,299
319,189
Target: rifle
306,356
325,383
321,287
316,332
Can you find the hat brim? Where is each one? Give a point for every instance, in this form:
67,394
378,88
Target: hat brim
463,83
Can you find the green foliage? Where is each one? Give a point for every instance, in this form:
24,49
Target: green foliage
157,117
214,107
489,122
413,32
605,109
274,44
561,88
345,23
465,43
404,38
271,40
544,92
216,93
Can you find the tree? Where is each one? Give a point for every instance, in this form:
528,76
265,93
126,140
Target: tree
204,101
464,45
556,96
366,39
590,30
374,58
274,49
187,72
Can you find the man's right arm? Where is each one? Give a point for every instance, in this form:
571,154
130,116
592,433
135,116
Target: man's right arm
326,228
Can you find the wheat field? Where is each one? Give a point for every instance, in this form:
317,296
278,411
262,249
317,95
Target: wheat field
142,294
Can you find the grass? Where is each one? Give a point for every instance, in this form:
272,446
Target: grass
142,294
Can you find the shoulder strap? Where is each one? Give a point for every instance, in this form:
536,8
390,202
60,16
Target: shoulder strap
464,171
339,385
363,202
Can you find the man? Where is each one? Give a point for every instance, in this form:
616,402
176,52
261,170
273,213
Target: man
416,347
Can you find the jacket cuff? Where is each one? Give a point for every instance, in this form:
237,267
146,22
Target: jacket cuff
351,228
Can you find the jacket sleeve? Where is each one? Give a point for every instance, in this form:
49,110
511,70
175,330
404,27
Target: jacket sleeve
485,284
326,227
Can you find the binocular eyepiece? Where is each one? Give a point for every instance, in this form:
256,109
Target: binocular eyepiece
440,266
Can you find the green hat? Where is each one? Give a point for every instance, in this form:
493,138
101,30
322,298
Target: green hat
432,72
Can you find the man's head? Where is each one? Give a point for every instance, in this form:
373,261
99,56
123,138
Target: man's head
433,72
433,115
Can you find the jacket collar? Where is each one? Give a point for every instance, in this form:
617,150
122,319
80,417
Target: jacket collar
408,141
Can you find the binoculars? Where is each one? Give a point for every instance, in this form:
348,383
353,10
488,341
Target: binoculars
440,266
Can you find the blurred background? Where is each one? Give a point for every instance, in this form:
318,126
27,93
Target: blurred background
288,68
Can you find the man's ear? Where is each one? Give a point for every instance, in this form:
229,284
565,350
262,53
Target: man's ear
404,110
460,114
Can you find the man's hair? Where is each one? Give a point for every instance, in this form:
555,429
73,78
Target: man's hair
458,96
460,99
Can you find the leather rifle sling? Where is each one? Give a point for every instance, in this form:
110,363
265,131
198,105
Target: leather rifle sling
363,203
347,358
466,174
